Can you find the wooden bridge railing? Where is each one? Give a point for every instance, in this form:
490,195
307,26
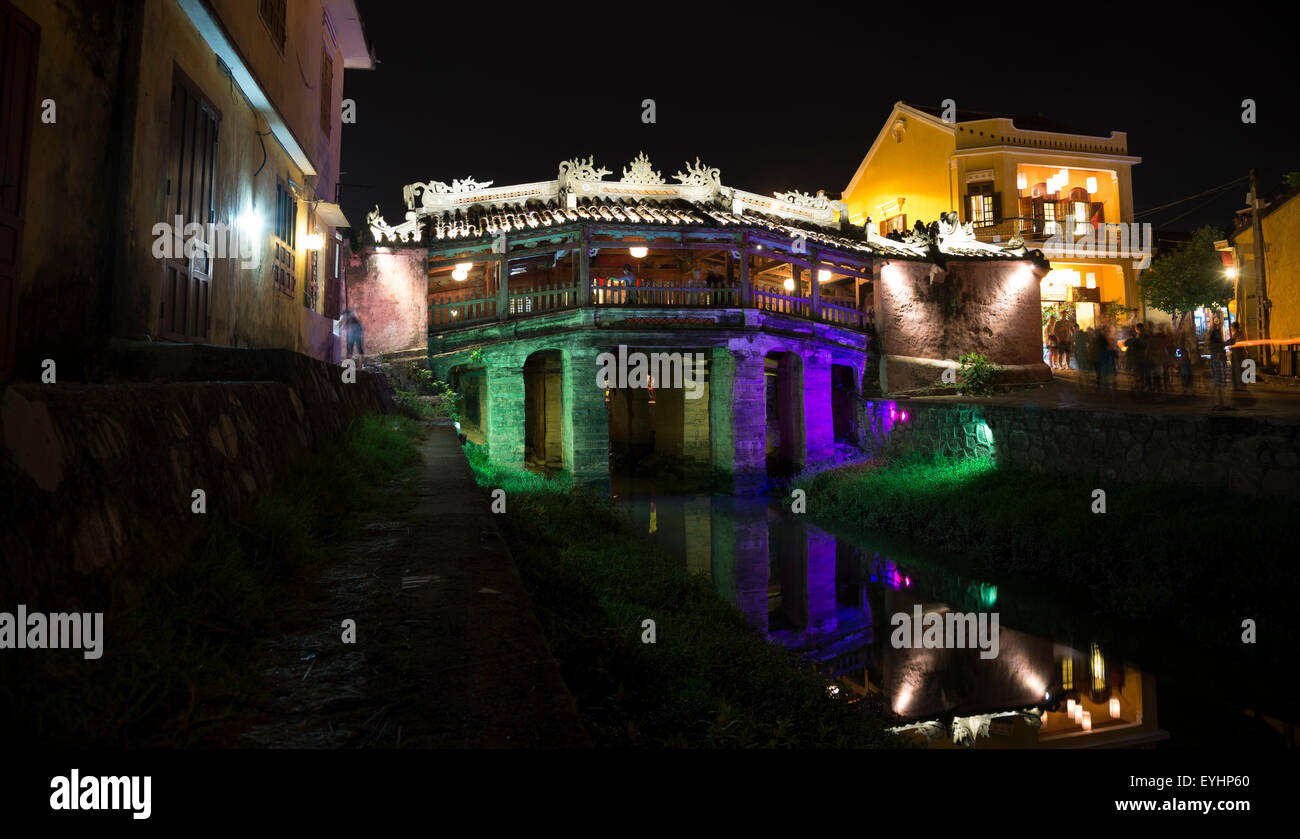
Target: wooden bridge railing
782,304
462,309
548,298
665,294
466,308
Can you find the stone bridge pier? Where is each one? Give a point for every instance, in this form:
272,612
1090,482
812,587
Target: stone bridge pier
748,405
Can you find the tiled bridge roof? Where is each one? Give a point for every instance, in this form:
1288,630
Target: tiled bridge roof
442,215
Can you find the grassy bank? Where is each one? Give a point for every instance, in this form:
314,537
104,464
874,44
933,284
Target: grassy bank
1179,557
181,642
708,680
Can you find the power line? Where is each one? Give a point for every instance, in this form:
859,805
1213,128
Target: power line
1190,197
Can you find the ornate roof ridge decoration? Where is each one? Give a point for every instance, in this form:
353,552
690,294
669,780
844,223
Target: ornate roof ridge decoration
700,175
429,189
641,172
803,199
577,169
952,235
408,231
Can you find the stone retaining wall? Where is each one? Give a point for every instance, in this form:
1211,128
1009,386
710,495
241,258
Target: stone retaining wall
1248,455
98,478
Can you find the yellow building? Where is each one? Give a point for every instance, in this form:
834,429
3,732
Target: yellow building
1059,190
176,175
1280,224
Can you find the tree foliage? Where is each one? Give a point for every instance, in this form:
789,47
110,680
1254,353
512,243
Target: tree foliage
1187,278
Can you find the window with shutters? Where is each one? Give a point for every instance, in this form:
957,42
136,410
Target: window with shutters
333,270
1048,216
272,13
286,228
894,224
310,289
20,39
980,204
326,91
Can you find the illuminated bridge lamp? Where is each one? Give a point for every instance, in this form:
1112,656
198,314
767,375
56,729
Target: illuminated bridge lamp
1114,707
638,252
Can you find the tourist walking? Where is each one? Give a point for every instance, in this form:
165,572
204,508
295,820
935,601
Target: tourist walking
1064,340
1218,365
1236,355
354,334
1189,351
1049,341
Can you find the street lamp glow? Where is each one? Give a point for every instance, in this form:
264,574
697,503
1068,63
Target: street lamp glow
314,241
1231,271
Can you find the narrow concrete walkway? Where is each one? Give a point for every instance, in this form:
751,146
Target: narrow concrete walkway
1272,400
449,652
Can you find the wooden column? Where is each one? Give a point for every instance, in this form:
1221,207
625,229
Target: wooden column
503,287
744,272
582,268
814,285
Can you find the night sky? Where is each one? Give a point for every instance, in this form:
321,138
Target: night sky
794,100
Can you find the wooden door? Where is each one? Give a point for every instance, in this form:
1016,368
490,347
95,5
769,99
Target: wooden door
19,45
191,162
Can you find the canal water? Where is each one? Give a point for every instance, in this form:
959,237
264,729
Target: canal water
832,597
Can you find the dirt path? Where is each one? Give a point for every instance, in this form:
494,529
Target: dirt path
448,651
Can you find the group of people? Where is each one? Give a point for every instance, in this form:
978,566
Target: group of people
1151,355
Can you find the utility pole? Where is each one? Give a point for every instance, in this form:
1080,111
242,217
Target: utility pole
1257,244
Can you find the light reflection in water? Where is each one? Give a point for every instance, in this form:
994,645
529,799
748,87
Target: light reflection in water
831,598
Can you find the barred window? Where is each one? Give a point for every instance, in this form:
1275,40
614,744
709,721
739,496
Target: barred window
286,228
272,13
326,91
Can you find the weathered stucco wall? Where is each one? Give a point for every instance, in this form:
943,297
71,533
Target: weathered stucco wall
101,476
389,292
1252,456
98,177
927,313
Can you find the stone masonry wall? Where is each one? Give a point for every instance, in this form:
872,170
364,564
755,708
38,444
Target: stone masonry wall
98,478
1248,455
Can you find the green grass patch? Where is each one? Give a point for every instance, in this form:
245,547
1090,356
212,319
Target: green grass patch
710,680
181,642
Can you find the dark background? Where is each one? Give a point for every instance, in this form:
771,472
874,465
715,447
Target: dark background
793,98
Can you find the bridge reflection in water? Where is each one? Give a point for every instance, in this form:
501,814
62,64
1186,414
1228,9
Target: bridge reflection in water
831,598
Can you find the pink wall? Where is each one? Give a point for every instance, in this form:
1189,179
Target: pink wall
389,292
989,307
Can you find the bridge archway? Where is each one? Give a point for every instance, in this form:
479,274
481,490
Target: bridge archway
661,428
783,386
844,390
470,381
544,412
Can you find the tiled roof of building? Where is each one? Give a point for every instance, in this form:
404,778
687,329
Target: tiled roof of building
465,211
